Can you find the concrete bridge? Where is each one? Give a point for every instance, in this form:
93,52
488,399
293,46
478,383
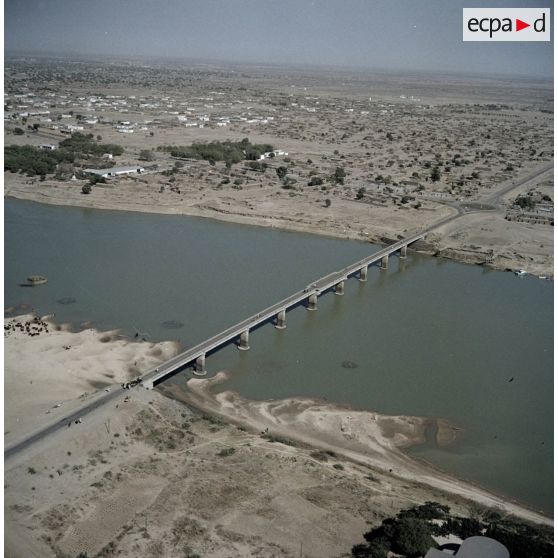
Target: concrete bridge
277,313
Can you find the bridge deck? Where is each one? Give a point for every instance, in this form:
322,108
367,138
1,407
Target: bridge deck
318,287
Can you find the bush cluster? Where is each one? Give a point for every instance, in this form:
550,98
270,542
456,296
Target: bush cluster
410,533
84,144
229,151
525,202
33,161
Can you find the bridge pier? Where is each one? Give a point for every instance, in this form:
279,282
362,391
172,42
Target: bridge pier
340,288
385,262
281,320
147,384
312,302
403,252
244,339
363,273
199,369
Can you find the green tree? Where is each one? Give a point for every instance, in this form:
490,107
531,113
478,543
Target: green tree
315,181
18,131
360,193
412,537
435,174
328,202
86,189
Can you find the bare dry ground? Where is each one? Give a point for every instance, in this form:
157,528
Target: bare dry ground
154,477
387,133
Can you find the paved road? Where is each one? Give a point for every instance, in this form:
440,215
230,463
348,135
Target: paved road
489,202
495,197
115,392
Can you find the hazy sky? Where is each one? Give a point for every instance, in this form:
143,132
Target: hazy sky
376,34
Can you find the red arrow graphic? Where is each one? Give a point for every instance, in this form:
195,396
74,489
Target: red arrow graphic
519,25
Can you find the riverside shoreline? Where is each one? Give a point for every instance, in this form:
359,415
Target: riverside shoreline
364,437
368,445
472,238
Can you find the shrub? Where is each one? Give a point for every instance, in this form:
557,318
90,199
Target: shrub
319,455
339,175
273,438
315,181
96,179
525,202
281,172
257,166
226,452
146,155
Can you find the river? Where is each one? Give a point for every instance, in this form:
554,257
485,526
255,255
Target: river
428,337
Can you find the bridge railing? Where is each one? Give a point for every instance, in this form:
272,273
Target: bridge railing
319,287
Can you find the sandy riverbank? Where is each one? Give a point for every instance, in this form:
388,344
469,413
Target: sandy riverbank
470,239
49,369
154,477
362,436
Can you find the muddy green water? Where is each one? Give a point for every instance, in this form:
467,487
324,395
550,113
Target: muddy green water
429,337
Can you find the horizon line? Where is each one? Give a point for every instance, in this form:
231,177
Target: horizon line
276,64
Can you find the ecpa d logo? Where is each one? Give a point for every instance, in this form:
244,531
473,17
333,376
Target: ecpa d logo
506,24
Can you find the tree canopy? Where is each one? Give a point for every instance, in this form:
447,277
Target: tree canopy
228,151
409,534
84,144
34,161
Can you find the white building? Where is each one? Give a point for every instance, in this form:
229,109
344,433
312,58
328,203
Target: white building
115,171
276,153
